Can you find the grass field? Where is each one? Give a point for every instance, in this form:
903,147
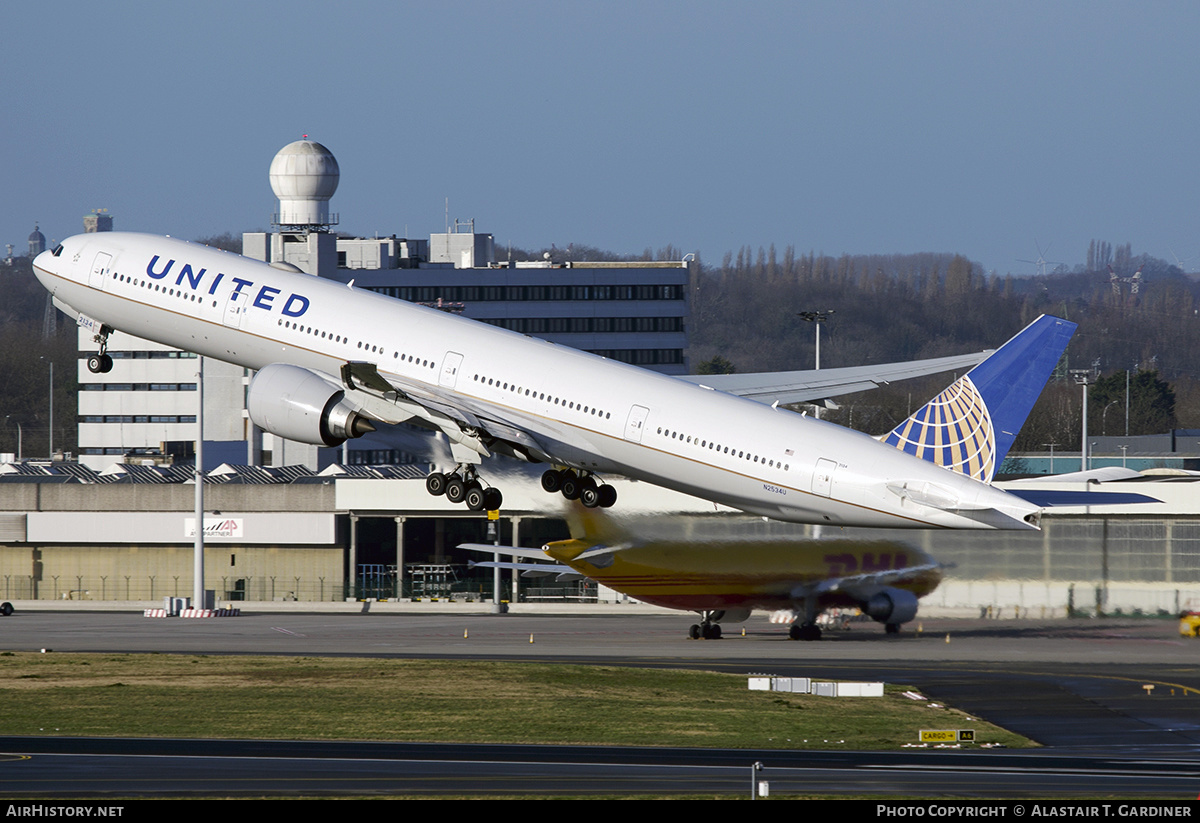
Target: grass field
433,700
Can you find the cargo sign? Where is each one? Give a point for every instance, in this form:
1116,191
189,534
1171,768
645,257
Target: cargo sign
947,735
217,527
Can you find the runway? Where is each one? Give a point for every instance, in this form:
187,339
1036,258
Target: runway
1077,687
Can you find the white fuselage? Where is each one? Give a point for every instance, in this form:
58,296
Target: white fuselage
581,410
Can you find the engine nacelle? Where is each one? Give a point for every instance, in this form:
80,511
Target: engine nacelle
892,606
301,405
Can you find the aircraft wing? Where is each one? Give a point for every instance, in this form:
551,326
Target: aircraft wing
857,582
810,385
439,406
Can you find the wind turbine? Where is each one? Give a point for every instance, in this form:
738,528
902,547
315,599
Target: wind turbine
1041,262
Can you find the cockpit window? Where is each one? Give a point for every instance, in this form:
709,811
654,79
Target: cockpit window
57,250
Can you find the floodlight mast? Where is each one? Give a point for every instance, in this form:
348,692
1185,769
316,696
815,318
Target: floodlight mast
198,542
1083,377
817,318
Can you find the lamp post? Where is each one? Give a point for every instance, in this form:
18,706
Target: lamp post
1083,377
51,443
817,318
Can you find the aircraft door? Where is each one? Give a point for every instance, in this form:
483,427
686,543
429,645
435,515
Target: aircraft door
633,426
99,270
450,367
235,307
822,482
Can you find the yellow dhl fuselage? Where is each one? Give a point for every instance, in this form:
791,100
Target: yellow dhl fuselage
763,575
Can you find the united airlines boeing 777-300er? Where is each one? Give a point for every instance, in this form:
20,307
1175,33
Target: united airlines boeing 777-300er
334,362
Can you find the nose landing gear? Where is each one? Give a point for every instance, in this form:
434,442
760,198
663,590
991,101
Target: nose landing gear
102,362
707,628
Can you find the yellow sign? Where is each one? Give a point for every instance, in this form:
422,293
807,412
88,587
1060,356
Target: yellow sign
493,514
939,736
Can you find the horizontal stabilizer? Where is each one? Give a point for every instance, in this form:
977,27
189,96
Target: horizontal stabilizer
530,569
1047,498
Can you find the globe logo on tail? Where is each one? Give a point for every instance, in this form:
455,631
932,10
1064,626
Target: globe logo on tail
953,430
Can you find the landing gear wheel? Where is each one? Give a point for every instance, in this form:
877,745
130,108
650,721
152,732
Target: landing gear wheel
492,499
712,631
100,363
608,496
807,631
552,480
694,632
435,484
891,628
589,493
6,608
456,489
475,497
571,487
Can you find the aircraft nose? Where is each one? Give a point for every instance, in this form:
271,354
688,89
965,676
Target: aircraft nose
44,264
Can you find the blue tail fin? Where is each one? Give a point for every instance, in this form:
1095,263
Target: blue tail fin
970,427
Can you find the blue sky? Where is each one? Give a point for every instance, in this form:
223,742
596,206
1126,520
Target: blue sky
869,127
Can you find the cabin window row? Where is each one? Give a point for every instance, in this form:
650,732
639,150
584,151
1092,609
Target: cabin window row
363,346
730,450
542,396
185,294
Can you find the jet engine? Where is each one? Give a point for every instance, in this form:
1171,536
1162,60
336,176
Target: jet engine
301,405
893,606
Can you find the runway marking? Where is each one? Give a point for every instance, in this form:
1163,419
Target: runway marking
282,630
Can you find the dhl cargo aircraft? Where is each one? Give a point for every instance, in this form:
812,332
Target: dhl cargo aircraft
724,580
334,362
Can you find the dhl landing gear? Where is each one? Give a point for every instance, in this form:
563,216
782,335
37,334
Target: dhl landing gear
579,487
464,486
706,629
806,628
804,631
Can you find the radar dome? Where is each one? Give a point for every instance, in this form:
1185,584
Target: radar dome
304,175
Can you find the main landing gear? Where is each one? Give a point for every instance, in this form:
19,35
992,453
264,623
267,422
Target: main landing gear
102,362
804,631
582,488
805,627
463,486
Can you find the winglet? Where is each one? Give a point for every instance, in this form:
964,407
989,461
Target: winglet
970,427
